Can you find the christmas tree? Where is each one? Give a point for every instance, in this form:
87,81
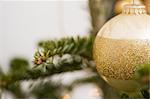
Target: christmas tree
56,57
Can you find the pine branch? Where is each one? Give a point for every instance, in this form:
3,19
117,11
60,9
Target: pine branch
142,76
55,61
74,46
46,70
48,90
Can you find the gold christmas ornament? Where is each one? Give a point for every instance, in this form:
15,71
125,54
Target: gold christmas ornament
122,45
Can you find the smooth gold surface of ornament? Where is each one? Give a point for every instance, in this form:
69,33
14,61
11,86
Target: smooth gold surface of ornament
122,45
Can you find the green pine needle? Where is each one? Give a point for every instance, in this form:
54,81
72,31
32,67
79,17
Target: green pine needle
74,46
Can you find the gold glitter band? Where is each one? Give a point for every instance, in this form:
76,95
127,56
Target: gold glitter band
119,59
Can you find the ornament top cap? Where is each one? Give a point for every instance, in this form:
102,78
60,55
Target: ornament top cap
134,9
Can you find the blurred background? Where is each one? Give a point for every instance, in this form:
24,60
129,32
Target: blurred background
23,23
